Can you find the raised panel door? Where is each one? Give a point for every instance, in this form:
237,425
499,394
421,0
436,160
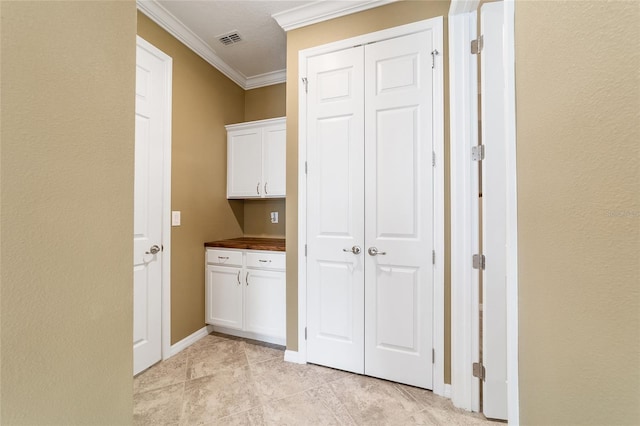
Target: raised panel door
274,144
223,296
244,163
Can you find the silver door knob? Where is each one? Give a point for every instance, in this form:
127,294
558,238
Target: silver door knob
373,251
153,250
354,250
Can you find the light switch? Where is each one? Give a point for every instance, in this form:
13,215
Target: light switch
274,217
175,218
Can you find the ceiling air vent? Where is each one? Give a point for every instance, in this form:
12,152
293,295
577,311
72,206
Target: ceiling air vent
230,38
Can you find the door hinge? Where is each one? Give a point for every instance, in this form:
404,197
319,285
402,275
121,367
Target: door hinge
476,45
306,84
305,333
433,257
305,250
433,356
477,153
434,53
479,371
433,158
478,261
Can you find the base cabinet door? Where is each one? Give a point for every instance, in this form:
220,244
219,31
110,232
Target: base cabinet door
265,303
223,295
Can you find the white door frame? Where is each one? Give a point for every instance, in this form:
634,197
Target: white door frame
166,194
464,220
435,24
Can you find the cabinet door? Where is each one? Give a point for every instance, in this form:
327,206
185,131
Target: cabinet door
223,295
244,164
265,302
274,161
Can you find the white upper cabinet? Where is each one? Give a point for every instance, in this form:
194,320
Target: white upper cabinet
256,153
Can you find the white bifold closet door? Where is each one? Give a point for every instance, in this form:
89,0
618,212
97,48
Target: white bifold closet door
370,209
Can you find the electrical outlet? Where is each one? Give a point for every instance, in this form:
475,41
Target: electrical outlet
274,217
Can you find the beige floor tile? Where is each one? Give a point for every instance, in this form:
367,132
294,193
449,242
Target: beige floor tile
299,409
158,407
260,353
331,401
206,360
439,416
374,402
277,379
169,372
221,394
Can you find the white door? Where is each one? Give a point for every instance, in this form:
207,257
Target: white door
264,303
399,209
335,229
224,292
151,95
370,187
494,195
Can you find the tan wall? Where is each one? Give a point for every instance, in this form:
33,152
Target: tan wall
265,102
348,26
262,103
204,100
67,113
578,136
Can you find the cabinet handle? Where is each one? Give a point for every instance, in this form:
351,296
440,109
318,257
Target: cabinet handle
238,277
246,278
265,188
223,257
264,261
258,188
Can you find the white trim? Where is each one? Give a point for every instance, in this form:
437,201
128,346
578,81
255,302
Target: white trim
435,24
513,403
447,391
463,117
267,79
292,356
320,11
188,341
464,205
166,194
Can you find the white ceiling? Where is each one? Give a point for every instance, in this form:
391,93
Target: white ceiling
260,59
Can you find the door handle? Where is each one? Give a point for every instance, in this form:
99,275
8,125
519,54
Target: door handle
258,188
238,277
153,250
265,188
373,251
354,250
246,278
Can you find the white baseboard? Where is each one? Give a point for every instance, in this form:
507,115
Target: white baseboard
447,391
293,356
187,341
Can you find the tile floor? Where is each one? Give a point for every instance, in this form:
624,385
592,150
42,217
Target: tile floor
222,380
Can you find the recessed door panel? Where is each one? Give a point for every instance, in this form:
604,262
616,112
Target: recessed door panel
396,172
335,302
396,308
397,73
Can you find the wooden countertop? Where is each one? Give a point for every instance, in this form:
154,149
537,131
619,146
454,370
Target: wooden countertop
250,243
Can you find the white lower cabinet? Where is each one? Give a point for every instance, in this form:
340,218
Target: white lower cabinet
245,293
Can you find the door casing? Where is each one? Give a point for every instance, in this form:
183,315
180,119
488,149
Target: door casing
436,25
464,220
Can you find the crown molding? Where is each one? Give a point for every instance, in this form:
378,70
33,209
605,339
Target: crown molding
176,28
322,10
266,79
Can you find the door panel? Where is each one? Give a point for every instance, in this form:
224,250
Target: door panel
399,209
494,207
335,182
